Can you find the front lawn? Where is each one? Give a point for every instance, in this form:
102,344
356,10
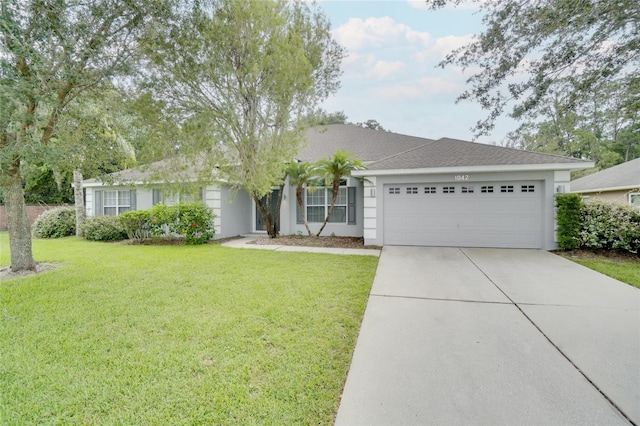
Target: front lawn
123,334
625,268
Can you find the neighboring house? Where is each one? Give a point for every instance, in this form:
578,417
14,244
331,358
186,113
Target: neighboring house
415,191
619,184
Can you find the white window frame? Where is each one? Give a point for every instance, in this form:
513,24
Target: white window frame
118,206
633,195
342,193
169,198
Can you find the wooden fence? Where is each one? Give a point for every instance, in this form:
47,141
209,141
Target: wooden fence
33,210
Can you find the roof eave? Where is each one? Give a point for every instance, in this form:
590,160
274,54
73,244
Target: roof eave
476,169
615,188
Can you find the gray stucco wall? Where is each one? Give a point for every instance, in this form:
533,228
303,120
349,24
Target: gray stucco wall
235,213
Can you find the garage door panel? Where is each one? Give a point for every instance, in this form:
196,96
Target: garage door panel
471,219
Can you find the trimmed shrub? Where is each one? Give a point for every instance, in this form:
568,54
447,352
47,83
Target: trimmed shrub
193,221
56,223
610,226
136,224
568,217
103,228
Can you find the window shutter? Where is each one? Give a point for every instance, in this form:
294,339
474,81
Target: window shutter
201,194
98,210
132,200
351,205
299,219
155,196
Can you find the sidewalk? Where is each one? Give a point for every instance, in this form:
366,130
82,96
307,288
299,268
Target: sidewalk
245,241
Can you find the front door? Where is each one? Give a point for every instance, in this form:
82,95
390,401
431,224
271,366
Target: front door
260,226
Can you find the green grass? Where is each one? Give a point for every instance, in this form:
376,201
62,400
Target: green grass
628,272
123,334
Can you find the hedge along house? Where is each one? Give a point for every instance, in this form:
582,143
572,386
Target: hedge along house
415,191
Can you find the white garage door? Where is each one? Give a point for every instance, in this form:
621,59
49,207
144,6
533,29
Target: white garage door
503,214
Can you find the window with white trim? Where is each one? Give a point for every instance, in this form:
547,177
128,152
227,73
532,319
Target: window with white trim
319,200
528,188
429,189
170,198
506,188
486,189
116,202
394,190
634,199
467,190
412,190
448,189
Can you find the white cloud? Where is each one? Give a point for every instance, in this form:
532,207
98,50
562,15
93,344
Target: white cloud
386,69
438,85
423,87
357,34
441,46
403,92
358,64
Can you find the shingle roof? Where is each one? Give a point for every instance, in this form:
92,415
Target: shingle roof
380,150
392,151
625,175
156,171
365,144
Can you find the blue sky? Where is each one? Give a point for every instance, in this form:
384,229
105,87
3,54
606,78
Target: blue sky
390,72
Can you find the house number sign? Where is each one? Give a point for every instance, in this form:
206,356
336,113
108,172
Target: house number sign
461,177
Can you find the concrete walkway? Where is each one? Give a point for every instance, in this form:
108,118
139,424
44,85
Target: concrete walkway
487,336
245,242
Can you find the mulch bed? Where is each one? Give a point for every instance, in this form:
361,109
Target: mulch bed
313,241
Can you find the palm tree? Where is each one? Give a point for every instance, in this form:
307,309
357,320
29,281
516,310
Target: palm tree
300,174
333,170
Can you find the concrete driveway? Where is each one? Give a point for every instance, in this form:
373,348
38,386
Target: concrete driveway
488,336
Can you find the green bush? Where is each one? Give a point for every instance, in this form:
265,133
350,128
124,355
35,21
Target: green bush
610,226
136,224
56,223
568,217
193,221
103,228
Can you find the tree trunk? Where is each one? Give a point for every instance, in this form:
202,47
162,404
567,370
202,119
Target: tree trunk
302,212
265,212
78,198
273,233
334,197
18,220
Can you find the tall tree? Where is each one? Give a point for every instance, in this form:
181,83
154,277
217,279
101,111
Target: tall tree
333,170
373,125
242,74
92,139
601,128
528,46
50,52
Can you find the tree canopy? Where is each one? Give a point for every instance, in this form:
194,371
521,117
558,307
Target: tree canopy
51,52
529,48
240,76
605,127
